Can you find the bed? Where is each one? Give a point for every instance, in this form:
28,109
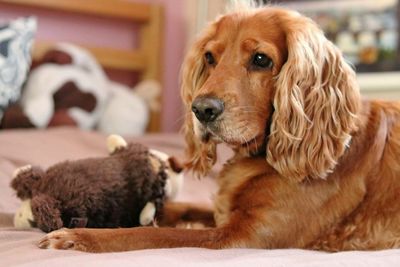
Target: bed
47,146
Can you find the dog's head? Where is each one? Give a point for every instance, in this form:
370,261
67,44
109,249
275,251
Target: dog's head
267,81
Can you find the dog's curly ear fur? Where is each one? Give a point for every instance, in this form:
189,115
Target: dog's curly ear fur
200,156
316,104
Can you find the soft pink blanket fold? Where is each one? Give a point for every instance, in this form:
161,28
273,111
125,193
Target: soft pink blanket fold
46,147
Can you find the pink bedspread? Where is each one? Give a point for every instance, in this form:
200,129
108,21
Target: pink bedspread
46,147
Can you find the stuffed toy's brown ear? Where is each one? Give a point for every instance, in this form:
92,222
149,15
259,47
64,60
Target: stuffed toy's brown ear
176,165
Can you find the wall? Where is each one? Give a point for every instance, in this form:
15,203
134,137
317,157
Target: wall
118,34
174,48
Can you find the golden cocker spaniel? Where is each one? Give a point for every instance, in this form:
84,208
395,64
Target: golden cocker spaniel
315,166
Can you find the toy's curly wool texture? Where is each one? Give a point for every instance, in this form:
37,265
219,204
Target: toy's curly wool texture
109,191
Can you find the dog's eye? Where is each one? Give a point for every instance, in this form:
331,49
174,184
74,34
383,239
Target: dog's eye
261,61
209,58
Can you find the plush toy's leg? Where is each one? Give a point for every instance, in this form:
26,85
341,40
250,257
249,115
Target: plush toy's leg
46,213
147,214
23,218
115,142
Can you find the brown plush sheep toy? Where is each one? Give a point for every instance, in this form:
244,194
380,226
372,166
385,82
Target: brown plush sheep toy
125,189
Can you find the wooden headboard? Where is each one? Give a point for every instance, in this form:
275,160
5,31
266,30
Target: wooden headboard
144,60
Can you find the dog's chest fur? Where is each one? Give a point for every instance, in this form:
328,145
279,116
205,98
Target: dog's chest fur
232,181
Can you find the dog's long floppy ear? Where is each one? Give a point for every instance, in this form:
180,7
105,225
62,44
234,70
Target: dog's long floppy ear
200,156
316,104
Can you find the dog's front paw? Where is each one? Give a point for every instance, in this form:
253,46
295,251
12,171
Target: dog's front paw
72,239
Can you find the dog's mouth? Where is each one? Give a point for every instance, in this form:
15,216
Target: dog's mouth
205,137
251,139
208,135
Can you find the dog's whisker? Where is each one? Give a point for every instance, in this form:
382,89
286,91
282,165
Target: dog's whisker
179,119
247,144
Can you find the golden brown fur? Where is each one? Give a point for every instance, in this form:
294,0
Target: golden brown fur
314,167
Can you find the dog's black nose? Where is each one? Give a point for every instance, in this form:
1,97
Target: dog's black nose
207,109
